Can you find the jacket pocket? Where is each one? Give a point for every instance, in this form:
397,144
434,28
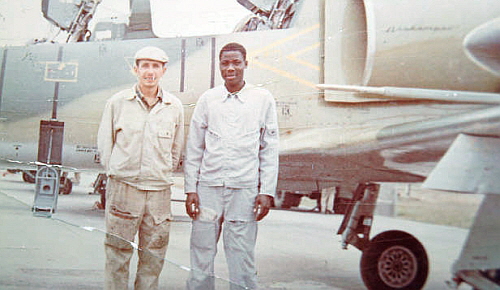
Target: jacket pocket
165,137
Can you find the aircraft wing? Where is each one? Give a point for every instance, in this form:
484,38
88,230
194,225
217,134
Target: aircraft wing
404,152
468,166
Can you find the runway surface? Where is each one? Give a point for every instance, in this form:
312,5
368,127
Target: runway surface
295,249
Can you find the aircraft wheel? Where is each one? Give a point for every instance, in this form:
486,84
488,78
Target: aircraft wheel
394,260
29,178
65,186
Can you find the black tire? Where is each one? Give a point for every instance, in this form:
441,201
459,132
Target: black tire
394,260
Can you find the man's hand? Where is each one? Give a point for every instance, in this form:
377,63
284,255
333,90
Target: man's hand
262,206
192,205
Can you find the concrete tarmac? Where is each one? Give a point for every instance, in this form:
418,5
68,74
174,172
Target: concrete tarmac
295,249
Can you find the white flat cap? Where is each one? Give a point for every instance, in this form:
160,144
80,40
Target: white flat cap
152,53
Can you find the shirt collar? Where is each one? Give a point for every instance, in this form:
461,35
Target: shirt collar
164,98
239,94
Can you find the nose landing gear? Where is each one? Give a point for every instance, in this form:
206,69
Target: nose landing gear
392,259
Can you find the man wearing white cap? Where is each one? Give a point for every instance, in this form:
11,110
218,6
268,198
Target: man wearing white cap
140,140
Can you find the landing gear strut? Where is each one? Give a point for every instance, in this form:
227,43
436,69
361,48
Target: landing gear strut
392,259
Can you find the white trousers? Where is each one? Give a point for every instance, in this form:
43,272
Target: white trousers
231,210
327,199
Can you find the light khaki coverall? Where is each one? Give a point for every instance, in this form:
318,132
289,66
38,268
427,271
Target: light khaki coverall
139,147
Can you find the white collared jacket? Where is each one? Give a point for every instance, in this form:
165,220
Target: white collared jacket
233,140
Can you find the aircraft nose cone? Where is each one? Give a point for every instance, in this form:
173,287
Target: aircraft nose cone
483,46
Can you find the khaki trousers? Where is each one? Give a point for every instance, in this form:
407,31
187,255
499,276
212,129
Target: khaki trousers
130,211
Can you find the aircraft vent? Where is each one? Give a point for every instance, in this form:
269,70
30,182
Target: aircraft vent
346,46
